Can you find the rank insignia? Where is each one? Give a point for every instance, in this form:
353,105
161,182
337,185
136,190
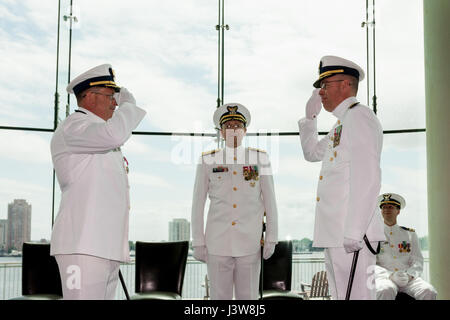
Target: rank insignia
404,247
220,169
251,173
337,136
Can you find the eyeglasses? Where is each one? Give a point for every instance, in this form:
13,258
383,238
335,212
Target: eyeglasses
324,85
111,96
233,126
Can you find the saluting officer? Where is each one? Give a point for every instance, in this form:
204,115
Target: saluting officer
90,234
400,262
350,177
240,186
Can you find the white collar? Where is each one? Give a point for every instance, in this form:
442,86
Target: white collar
342,108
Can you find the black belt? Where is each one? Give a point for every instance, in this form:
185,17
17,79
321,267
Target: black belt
370,247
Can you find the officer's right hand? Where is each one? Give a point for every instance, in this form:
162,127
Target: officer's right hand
124,96
314,105
400,278
200,253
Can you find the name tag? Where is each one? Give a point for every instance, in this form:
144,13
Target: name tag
220,169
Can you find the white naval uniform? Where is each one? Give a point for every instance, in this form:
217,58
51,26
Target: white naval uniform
94,209
401,252
234,221
349,183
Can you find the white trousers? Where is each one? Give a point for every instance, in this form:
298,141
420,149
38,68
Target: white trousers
87,277
338,264
417,288
242,273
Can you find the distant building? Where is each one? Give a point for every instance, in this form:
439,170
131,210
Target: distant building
3,234
179,230
19,224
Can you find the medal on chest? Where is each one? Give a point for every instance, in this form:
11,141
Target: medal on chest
337,136
251,173
404,246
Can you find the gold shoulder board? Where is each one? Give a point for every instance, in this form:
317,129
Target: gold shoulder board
258,150
209,152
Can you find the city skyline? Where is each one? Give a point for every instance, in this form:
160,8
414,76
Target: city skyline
18,223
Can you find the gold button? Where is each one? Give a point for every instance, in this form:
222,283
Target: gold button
318,198
235,158
233,223
335,154
395,269
339,121
234,172
395,257
219,177
331,159
390,232
392,245
234,206
234,188
321,177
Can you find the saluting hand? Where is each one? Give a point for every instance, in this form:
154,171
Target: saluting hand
124,96
314,105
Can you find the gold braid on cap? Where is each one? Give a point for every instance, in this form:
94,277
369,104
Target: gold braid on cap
232,114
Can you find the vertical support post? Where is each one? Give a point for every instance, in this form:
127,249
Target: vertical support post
437,86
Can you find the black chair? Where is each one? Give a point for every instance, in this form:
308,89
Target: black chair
277,274
40,273
160,268
401,296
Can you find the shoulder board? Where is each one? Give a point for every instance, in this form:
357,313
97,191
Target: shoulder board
408,229
353,105
257,150
210,152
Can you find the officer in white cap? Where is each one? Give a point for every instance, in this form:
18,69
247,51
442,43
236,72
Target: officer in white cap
350,177
90,234
240,186
400,261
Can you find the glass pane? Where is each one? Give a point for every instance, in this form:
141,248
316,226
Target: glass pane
400,64
162,173
27,172
273,53
28,43
404,170
164,52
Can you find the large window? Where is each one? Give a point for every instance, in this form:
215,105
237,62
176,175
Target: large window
166,54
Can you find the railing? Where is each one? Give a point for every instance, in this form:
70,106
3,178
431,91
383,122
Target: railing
303,268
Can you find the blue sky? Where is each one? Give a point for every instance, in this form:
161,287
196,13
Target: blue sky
165,53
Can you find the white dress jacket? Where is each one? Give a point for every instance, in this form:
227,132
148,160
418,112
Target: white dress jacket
350,177
237,206
94,209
